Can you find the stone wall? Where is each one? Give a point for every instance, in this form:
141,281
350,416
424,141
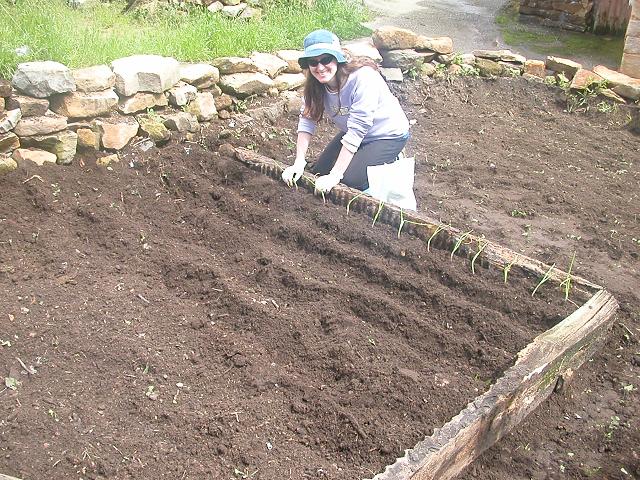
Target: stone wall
49,112
600,16
631,56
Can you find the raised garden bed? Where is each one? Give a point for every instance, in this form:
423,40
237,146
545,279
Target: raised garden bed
291,336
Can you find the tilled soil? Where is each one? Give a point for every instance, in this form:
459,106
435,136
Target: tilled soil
186,317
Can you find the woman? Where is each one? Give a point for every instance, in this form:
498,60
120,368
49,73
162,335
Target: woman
353,94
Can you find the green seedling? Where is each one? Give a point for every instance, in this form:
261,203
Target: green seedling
566,283
11,383
433,235
375,217
401,222
458,244
481,247
350,201
518,213
544,279
613,426
507,269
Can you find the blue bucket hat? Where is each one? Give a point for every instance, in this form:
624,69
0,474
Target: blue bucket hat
320,42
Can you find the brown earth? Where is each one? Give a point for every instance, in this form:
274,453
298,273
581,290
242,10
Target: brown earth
186,317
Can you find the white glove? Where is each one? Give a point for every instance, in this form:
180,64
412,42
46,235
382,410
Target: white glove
326,182
291,174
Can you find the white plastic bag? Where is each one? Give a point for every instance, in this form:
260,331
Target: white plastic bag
393,182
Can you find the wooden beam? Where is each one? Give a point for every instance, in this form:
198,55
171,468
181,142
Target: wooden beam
7,477
524,386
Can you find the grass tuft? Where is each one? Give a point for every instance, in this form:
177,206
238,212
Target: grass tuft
33,30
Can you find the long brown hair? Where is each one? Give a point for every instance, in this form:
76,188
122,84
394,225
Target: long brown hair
314,90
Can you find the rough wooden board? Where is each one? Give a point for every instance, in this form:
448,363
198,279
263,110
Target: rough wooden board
441,236
523,387
7,477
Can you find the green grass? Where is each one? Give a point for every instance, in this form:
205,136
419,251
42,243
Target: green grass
101,33
554,41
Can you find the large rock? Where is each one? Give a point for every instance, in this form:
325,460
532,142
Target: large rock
48,123
501,55
88,139
203,107
363,48
228,65
182,122
536,68
406,59
291,57
9,142
9,120
39,157
233,11
289,81
394,38
200,75
269,64
584,79
489,68
7,165
141,101
245,84
182,94
94,79
63,144
115,132
620,83
84,104
153,126
43,79
29,106
563,65
442,45
145,73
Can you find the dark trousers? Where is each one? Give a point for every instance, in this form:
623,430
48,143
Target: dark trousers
369,154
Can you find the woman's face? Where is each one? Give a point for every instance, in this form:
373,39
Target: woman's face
323,68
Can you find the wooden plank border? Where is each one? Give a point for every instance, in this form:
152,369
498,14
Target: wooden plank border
551,356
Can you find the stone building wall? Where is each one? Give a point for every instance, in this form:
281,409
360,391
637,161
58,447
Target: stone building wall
600,16
631,56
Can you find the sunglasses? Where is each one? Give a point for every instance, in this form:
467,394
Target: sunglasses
313,62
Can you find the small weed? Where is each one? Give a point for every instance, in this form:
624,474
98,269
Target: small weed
518,213
244,474
52,413
607,107
11,383
614,423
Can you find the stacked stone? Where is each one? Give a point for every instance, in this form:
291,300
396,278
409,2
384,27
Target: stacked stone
567,14
48,112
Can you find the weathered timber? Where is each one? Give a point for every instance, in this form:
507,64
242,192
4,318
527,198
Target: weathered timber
7,477
420,225
523,387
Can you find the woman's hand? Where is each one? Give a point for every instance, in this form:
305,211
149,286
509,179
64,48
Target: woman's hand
325,183
291,174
